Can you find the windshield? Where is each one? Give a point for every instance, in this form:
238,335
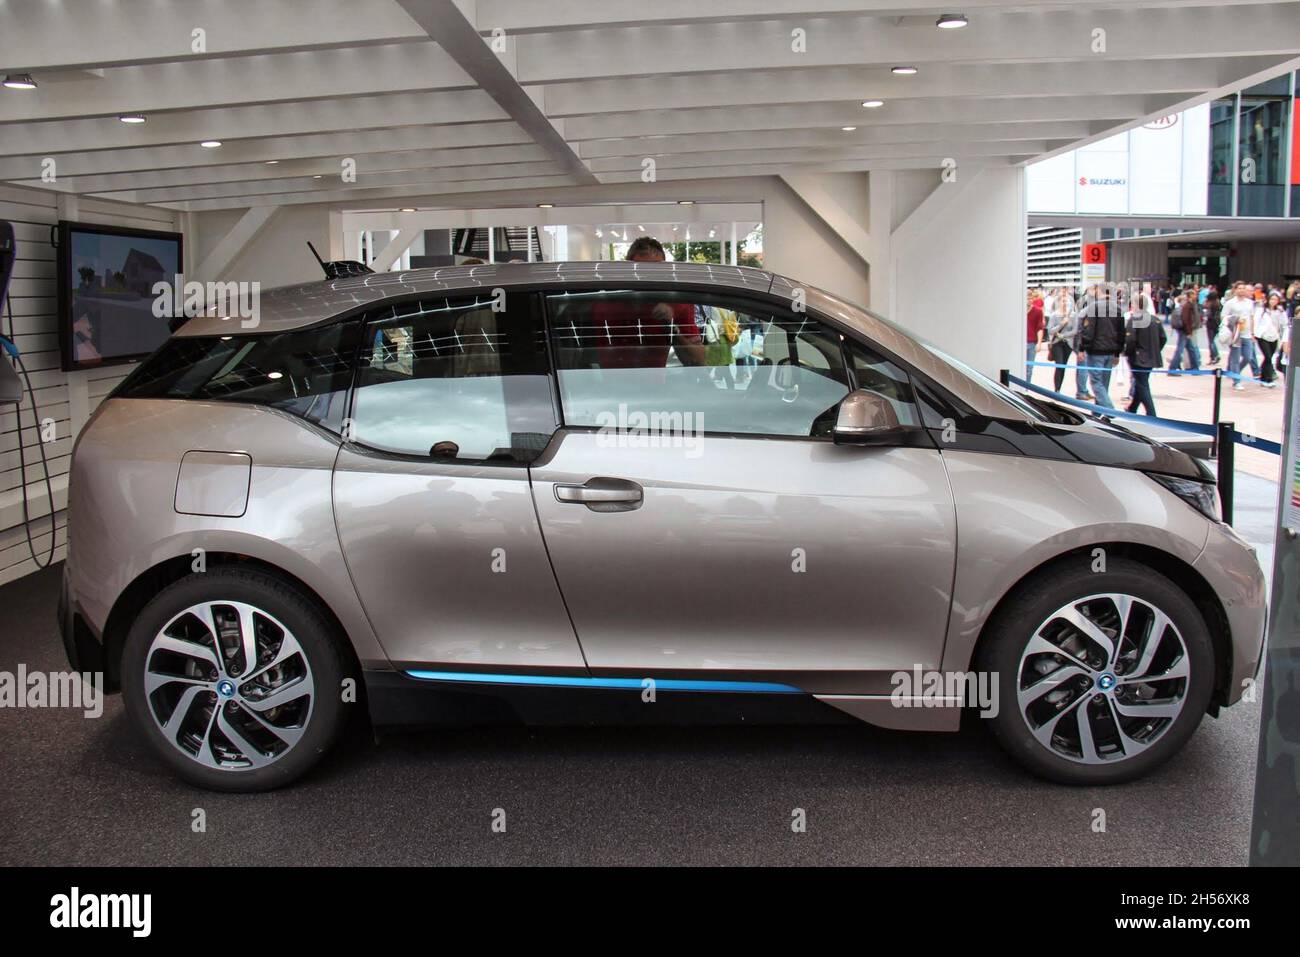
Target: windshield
985,383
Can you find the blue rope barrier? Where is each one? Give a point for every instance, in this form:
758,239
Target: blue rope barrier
1115,368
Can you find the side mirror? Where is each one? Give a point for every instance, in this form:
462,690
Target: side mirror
866,418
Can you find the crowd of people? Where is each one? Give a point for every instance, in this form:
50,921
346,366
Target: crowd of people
1248,323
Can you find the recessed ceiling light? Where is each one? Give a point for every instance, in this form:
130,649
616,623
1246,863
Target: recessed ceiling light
686,202
271,162
872,104
951,21
848,129
318,176
19,81
408,209
210,144
903,70
545,205
275,375
132,118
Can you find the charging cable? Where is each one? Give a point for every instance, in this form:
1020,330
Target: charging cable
9,345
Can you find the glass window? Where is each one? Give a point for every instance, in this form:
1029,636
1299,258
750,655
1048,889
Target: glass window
885,379
455,379
628,360
1264,144
1222,114
306,372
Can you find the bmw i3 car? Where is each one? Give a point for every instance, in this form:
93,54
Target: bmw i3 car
666,491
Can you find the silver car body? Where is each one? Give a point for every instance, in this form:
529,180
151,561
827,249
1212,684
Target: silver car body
909,550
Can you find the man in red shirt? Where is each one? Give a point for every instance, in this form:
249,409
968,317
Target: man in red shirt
634,334
1034,334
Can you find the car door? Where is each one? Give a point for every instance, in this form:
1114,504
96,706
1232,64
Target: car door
701,520
452,399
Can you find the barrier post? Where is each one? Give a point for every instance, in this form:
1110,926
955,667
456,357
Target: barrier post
1218,404
1226,448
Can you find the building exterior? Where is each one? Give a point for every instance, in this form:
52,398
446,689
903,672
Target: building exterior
1207,195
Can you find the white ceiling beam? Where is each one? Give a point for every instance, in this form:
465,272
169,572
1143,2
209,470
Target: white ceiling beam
251,122
323,187
217,262
1228,87
1055,37
835,138
797,157
237,81
561,215
834,114
846,226
447,25
408,194
288,169
44,35
944,81
530,16
284,149
393,251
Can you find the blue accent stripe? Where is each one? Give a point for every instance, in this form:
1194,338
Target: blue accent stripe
567,681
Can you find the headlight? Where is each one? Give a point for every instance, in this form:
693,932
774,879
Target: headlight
1202,496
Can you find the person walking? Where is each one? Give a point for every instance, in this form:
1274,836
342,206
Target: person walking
1144,343
1062,328
1101,339
1269,321
1211,313
1186,323
1033,334
1238,320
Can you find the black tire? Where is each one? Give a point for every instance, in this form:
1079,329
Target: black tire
301,616
1008,633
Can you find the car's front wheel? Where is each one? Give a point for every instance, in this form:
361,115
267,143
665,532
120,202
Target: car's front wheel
1102,675
235,677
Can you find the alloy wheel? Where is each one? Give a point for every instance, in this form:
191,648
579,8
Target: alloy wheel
229,685
1103,678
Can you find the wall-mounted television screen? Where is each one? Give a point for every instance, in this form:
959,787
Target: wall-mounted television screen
106,276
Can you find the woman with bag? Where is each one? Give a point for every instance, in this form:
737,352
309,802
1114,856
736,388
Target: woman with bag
1143,344
1062,327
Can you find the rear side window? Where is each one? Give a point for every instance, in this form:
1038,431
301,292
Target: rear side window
306,372
462,379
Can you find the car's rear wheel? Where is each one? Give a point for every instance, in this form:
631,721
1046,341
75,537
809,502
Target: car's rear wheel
235,678
1102,675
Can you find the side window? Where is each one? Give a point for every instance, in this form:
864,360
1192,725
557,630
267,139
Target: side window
454,379
629,360
306,372
879,375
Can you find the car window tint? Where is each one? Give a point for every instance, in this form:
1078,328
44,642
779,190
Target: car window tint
455,379
624,358
306,372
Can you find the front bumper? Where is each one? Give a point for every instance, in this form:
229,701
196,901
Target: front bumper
1232,570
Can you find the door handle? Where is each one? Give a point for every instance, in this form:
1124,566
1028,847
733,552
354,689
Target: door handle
603,494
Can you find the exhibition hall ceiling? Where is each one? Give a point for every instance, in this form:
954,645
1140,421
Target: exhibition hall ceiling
215,104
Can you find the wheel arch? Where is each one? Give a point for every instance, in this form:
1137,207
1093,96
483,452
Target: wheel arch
153,580
1187,578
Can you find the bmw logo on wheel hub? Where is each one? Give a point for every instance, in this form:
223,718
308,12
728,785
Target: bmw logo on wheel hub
226,688
1106,681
